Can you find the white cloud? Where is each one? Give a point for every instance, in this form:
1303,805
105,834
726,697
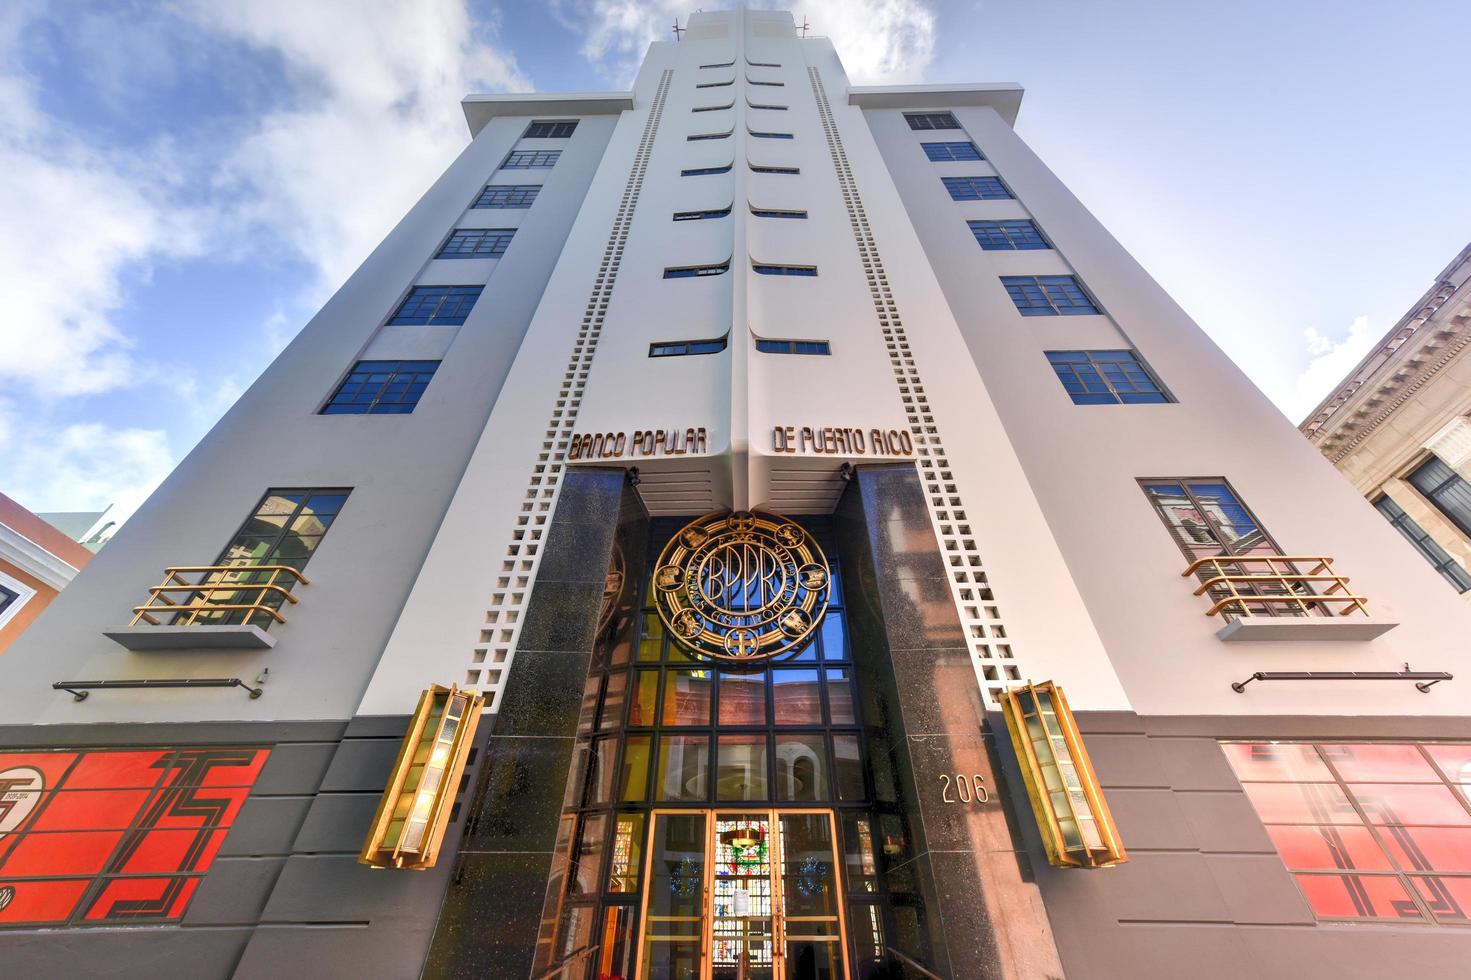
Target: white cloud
1331,361
375,120
880,41
371,117
83,466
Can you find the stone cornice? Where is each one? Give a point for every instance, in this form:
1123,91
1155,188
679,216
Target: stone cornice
1420,346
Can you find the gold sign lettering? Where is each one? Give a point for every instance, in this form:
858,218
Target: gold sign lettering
970,789
641,442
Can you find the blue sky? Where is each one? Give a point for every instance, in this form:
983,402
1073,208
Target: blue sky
186,181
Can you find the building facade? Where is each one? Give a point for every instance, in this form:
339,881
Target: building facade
36,562
738,451
1399,426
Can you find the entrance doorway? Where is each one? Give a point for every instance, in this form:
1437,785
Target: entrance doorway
742,894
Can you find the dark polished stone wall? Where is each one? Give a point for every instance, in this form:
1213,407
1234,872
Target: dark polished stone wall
963,862
492,909
285,896
1204,893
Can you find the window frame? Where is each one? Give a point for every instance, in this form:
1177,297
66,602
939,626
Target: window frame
1459,523
1118,398
511,191
707,171
378,396
555,125
951,149
19,594
783,269
792,347
393,318
1409,879
530,160
984,179
701,271
1000,225
703,215
929,118
1041,282
502,238
722,342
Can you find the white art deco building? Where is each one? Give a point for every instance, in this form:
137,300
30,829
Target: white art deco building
666,556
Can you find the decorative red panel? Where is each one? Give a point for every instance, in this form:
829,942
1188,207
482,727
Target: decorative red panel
114,835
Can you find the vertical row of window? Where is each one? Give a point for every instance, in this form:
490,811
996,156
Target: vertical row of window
1109,377
395,387
686,348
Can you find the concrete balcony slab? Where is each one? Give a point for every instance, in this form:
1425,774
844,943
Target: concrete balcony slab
1255,629
197,637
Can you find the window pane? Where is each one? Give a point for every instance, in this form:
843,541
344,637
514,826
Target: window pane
1454,760
858,853
801,768
1429,848
683,769
796,697
1390,803
1380,763
633,784
1276,762
742,699
740,772
589,858
840,697
1313,848
626,861
1449,898
645,699
1357,897
687,697
1315,803
848,769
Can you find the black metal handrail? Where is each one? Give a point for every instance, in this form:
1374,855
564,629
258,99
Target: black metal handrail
80,689
568,961
1425,679
910,961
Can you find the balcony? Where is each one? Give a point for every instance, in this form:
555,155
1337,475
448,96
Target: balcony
216,607
1270,597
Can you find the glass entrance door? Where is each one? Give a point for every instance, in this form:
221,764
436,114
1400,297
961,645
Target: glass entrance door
742,895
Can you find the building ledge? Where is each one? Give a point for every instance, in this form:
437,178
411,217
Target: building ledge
481,109
1004,97
211,637
1301,629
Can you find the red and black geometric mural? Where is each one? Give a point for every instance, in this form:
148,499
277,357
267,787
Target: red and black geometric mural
114,836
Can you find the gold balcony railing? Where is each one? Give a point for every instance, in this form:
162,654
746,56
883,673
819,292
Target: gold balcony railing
220,594
1274,585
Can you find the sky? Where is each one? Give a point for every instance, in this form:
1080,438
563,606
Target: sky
184,182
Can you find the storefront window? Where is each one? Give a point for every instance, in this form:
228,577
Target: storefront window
1369,830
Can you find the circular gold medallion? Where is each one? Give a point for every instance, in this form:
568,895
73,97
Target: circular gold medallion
743,586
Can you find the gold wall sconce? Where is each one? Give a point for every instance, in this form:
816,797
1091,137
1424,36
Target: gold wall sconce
1077,828
409,826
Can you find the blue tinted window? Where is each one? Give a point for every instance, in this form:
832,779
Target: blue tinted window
696,137
951,151
774,213
793,347
683,347
785,270
702,171
1048,295
770,136
1105,377
1008,235
691,271
931,120
381,388
437,305
550,130
700,215
476,243
774,170
507,196
531,159
976,188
